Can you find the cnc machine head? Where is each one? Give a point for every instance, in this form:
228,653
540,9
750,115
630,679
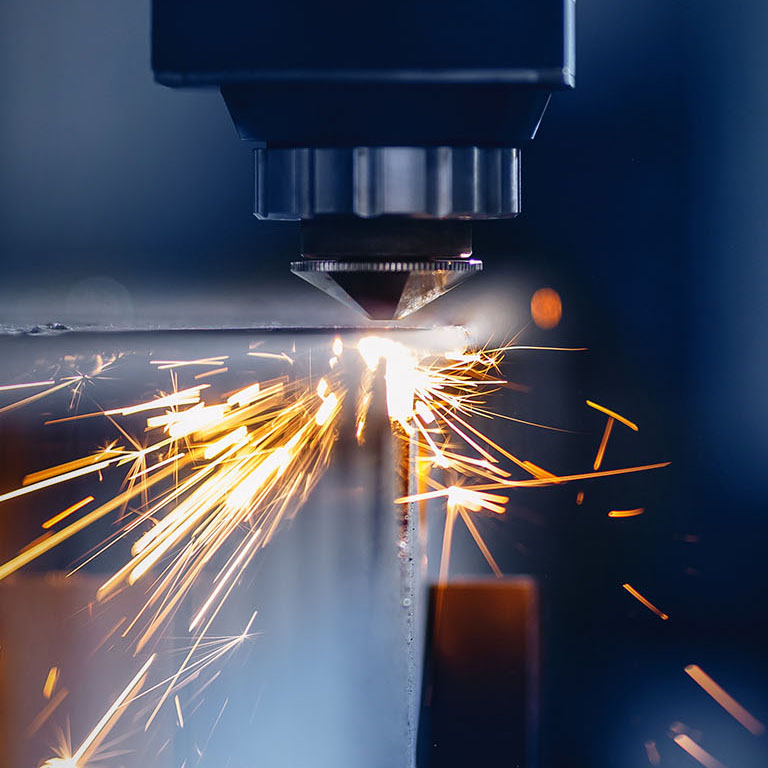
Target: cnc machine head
384,128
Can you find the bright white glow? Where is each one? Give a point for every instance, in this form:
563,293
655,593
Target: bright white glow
326,409
236,436
245,396
402,374
195,419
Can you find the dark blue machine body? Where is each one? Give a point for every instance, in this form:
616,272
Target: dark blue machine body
428,73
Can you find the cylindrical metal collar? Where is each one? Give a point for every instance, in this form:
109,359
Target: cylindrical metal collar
415,182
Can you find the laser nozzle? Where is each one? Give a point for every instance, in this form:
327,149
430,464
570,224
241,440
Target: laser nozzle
386,290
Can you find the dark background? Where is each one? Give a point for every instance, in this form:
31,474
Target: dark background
123,203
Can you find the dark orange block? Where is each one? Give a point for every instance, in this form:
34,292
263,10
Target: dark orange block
480,693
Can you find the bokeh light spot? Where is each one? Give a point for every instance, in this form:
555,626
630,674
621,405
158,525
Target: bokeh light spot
546,308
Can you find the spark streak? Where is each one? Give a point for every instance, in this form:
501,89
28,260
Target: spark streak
37,396
570,478
179,716
272,356
654,758
696,751
27,385
603,443
647,603
214,372
163,365
626,512
98,466
613,415
219,475
725,700
95,738
50,682
67,512
45,713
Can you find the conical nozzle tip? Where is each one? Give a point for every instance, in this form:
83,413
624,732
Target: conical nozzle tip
386,290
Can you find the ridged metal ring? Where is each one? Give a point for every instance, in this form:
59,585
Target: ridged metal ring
338,265
417,182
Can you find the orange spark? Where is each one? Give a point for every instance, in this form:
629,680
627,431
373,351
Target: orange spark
481,545
603,443
27,385
535,482
189,396
647,603
58,479
42,717
59,469
468,498
95,738
163,365
654,758
251,460
626,512
580,498
50,682
272,356
725,700
49,542
67,512
37,396
613,414
696,751
214,372
460,501
445,556
539,472
109,634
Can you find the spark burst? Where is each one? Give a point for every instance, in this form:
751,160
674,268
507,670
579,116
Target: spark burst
89,748
432,401
224,474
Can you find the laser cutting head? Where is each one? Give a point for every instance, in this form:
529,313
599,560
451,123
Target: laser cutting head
384,131
386,230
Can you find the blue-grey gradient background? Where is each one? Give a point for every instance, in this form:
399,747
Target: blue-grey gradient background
645,205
